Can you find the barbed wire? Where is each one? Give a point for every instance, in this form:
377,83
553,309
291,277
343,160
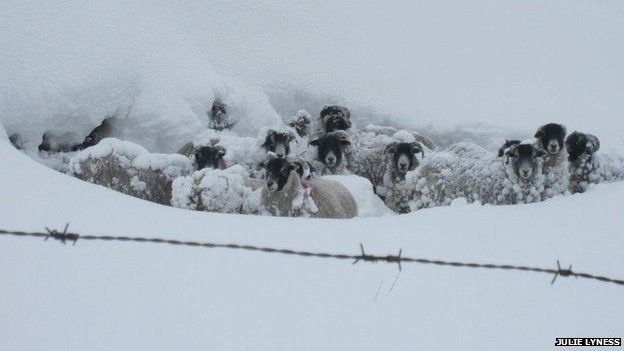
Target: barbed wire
65,236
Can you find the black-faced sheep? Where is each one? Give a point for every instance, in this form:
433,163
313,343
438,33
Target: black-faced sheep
468,171
55,143
506,146
333,118
332,153
17,141
278,143
400,159
300,122
286,194
205,156
550,138
384,160
588,167
219,119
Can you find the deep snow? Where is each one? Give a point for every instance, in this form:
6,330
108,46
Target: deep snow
101,296
478,71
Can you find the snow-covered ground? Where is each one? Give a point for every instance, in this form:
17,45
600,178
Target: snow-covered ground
478,71
102,296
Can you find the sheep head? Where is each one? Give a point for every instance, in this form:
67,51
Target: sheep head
331,147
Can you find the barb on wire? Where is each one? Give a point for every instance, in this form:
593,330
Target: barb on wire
563,272
61,236
66,236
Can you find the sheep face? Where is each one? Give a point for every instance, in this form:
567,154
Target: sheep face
507,145
331,148
335,118
551,137
277,172
278,143
209,157
524,159
219,117
301,125
404,156
578,144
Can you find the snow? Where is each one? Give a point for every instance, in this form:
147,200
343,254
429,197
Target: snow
455,71
368,204
215,190
140,296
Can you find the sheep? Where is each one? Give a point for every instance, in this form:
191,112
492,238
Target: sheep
228,148
333,118
400,159
549,139
286,194
468,171
384,160
506,146
300,122
278,142
16,141
130,169
51,142
333,153
216,190
588,167
219,119
403,133
207,156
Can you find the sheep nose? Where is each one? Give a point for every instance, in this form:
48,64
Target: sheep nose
269,183
525,172
280,155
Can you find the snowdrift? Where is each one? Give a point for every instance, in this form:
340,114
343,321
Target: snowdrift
105,290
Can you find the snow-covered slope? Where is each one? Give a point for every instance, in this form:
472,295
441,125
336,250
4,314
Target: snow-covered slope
478,71
103,296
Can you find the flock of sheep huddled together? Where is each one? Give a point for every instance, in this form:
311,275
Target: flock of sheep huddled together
283,172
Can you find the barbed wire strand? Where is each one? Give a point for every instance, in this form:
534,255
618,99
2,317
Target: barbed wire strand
66,236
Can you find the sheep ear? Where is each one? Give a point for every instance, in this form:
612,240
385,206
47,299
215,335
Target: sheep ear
416,148
291,137
347,113
260,166
510,152
391,148
540,132
345,142
593,144
540,153
565,130
315,142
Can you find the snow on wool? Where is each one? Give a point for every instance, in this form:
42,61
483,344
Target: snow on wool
317,197
556,174
368,204
130,169
216,190
373,157
468,171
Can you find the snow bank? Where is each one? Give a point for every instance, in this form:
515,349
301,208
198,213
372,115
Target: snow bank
104,283
66,68
3,133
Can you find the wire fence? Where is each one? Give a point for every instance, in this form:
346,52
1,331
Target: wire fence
65,236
